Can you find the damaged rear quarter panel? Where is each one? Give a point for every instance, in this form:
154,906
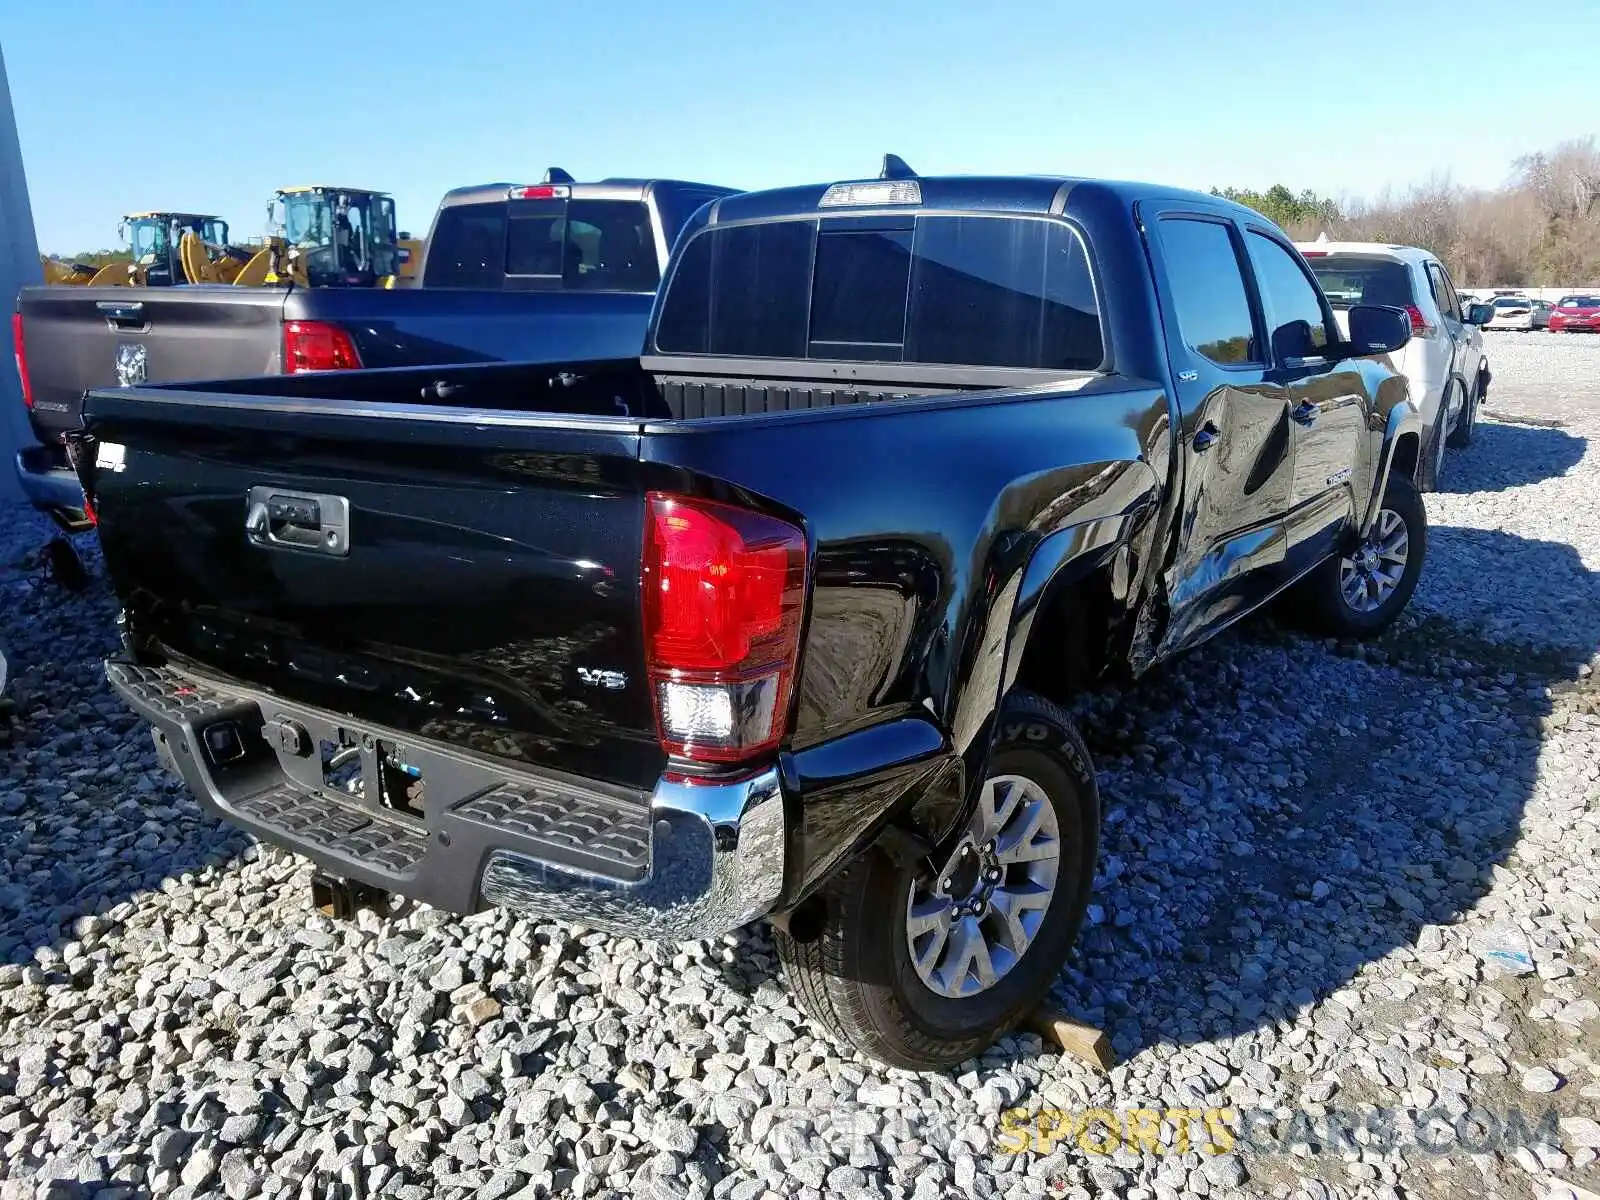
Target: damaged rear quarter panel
920,554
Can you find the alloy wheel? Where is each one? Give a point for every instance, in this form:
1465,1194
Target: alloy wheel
973,923
1369,576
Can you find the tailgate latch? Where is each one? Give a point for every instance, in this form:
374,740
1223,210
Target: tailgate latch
305,521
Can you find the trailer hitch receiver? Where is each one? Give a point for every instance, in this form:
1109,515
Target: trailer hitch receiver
342,898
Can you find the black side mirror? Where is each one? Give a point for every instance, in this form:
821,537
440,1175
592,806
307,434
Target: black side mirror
1292,341
1377,329
1480,314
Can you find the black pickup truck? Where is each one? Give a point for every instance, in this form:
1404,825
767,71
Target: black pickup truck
511,272
779,619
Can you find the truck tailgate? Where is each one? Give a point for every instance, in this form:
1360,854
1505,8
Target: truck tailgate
465,576
80,338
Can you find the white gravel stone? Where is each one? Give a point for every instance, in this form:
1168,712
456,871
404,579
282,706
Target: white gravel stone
1540,1079
1581,1131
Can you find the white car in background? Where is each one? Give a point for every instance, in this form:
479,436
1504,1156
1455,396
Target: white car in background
1519,312
1444,362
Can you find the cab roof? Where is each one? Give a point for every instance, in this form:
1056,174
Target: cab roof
181,216
328,187
966,193
600,189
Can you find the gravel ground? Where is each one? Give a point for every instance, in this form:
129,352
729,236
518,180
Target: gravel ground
1294,916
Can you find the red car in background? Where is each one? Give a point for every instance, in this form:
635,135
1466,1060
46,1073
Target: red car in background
1576,312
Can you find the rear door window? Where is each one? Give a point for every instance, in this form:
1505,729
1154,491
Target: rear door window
1012,292
1208,290
577,245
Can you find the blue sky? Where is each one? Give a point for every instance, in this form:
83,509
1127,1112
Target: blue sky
415,98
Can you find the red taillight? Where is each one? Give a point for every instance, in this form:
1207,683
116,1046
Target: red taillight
22,358
724,591
1419,323
317,346
1313,254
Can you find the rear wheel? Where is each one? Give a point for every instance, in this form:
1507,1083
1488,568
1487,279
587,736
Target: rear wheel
1436,444
1466,424
922,969
63,565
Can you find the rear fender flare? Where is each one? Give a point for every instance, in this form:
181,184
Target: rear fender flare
1402,419
1061,559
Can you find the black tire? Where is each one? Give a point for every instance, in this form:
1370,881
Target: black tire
1434,473
1322,593
856,979
64,566
1461,435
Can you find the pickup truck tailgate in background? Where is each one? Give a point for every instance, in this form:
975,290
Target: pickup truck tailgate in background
470,580
82,338
408,326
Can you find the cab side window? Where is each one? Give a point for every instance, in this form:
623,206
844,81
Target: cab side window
1208,292
1295,311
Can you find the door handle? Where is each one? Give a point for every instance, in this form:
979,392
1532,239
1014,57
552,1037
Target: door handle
1305,413
1207,436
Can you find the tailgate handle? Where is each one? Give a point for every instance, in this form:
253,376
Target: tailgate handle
277,519
123,314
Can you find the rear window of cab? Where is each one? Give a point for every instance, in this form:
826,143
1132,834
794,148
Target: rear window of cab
988,291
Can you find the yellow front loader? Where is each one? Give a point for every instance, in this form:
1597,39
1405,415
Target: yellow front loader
327,236
70,274
171,248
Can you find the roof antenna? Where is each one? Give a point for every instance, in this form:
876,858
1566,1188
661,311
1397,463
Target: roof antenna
894,167
556,175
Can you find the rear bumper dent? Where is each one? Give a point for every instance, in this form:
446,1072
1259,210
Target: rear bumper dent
685,862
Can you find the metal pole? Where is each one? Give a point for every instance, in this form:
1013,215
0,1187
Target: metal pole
19,268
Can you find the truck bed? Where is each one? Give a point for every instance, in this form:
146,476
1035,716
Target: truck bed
493,527
649,389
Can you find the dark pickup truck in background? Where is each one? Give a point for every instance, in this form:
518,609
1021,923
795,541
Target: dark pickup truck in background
556,270
778,619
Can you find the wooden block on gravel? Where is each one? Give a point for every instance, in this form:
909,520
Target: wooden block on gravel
1084,1042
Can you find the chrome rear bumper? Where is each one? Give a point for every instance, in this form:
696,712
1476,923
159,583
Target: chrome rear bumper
687,861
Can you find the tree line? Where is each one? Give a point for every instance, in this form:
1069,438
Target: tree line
1540,229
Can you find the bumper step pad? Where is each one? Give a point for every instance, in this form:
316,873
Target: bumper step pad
578,825
325,822
168,695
